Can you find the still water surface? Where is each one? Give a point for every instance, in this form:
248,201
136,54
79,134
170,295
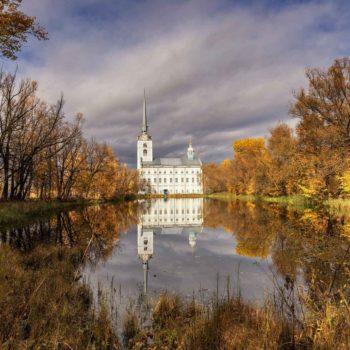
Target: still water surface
173,249
192,246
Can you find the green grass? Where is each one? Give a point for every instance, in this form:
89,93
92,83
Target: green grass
294,201
335,206
338,206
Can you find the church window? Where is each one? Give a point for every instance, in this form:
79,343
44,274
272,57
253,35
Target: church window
175,179
187,179
145,152
171,211
182,179
165,180
145,145
160,180
160,211
171,180
155,212
192,179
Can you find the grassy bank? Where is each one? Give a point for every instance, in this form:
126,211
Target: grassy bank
295,201
338,206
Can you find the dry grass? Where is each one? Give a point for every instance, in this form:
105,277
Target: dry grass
231,324
43,306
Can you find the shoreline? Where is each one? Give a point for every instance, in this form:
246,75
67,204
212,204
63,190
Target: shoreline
333,205
23,211
19,212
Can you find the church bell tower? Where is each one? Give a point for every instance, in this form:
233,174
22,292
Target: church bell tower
190,151
144,140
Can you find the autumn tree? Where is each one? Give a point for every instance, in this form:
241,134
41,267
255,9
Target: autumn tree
213,180
43,155
99,174
15,27
324,127
127,182
251,166
282,148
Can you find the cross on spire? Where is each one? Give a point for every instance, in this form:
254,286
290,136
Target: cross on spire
144,119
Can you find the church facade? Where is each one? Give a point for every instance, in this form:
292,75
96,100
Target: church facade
182,175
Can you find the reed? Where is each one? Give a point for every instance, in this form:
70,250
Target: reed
323,322
44,305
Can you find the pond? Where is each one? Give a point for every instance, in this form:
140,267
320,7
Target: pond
179,245
192,246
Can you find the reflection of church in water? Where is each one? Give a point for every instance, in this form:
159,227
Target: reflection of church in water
167,217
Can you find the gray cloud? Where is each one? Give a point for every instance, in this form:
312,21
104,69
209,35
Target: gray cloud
211,72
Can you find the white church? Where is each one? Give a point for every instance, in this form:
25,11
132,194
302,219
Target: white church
165,176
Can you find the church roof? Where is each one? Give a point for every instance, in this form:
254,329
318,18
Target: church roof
184,161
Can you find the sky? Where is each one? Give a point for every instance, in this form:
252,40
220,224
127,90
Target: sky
214,71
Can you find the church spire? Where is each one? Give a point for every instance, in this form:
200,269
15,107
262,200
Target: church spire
144,120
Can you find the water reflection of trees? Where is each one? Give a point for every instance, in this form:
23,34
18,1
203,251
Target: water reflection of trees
309,241
44,303
97,227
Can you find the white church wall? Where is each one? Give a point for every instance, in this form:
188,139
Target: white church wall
177,180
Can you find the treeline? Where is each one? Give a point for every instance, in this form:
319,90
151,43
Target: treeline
42,155
312,159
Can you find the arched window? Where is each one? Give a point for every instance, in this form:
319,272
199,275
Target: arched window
145,145
145,152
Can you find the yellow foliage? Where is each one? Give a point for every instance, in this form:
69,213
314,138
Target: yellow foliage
252,144
346,231
311,187
345,181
